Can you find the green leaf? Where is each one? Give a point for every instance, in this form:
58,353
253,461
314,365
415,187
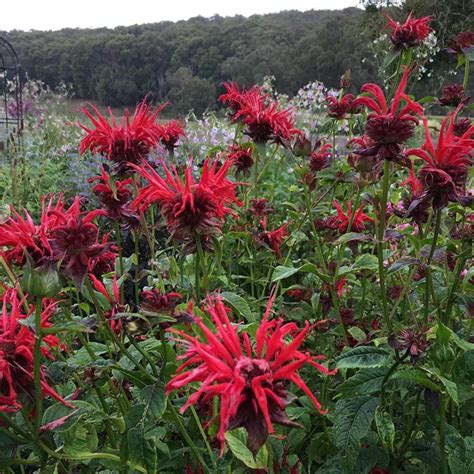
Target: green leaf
238,303
402,263
450,387
351,236
242,453
280,273
416,375
8,448
357,333
464,368
140,450
385,428
363,382
366,261
363,357
353,419
154,400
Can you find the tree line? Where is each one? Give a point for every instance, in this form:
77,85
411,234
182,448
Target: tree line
186,62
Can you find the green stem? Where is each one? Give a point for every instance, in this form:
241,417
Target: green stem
188,438
380,243
428,276
37,365
203,433
466,73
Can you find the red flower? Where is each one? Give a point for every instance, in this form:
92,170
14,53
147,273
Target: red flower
126,143
320,158
236,98
410,206
16,354
260,207
365,164
250,382
112,298
388,128
453,95
105,262
444,174
115,198
408,34
341,220
339,108
21,234
155,302
241,158
74,242
190,208
299,295
265,122
462,43
272,238
414,342
170,133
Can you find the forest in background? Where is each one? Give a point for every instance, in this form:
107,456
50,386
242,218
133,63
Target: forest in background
186,62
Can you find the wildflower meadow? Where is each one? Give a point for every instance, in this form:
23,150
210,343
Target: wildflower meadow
284,286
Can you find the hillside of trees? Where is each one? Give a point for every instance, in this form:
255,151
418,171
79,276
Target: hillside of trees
187,61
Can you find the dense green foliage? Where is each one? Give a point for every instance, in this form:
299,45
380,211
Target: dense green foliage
186,62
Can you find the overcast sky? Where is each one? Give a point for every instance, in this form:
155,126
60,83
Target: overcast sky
57,14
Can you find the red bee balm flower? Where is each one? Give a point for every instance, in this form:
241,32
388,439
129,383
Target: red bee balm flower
115,197
272,238
170,133
191,208
250,381
462,43
16,354
241,157
453,95
408,34
339,108
236,98
444,174
388,128
125,143
320,158
75,243
342,220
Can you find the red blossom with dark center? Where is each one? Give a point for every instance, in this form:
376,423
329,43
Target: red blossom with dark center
410,33
170,133
320,158
445,172
413,341
339,108
259,207
388,128
115,198
453,95
462,43
17,353
154,301
241,158
191,207
250,380
341,220
74,242
236,98
272,238
125,143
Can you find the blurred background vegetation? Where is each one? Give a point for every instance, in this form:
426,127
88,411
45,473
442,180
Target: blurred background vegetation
187,61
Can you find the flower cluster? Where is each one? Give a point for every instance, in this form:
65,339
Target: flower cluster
410,33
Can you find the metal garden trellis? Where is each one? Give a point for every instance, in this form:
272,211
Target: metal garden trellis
11,101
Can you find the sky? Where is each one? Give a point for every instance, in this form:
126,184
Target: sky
57,14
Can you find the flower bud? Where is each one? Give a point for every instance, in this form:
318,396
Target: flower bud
41,281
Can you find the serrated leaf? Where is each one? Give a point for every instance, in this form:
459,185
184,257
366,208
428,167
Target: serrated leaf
280,273
353,419
416,375
363,357
366,261
357,333
385,428
363,382
140,450
154,400
238,303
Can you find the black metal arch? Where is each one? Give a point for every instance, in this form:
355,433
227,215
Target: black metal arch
11,101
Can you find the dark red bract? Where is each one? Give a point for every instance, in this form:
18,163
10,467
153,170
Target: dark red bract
241,158
453,95
462,43
339,108
170,133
